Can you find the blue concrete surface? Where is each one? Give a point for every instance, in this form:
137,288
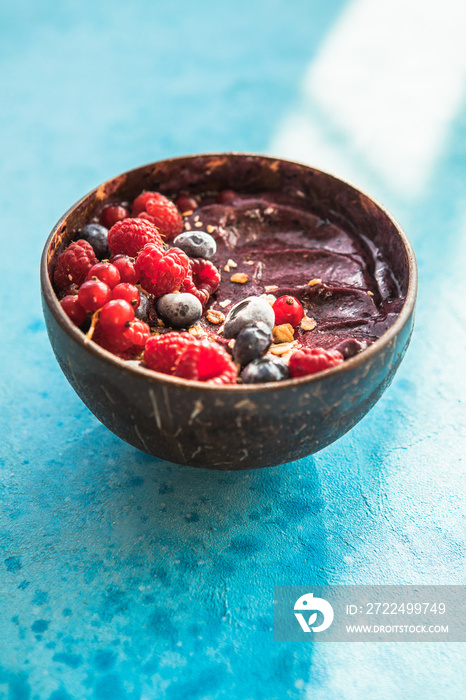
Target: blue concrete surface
123,577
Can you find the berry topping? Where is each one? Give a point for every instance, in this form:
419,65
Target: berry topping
161,272
179,310
115,316
73,309
165,216
133,337
140,203
311,360
203,279
265,369
185,203
162,351
248,311
113,213
252,342
105,272
226,196
96,235
93,294
143,310
196,244
125,267
350,347
288,310
74,264
206,361
131,235
128,292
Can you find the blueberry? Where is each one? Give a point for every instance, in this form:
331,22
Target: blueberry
252,343
96,235
245,312
196,244
142,311
179,310
265,369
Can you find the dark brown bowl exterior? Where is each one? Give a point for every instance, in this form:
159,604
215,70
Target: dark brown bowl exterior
232,427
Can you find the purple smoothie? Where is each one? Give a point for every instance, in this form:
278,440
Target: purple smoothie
281,248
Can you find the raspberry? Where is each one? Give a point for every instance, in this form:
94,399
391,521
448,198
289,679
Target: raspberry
115,316
206,361
162,351
73,309
161,272
93,294
125,267
311,360
105,272
131,235
165,216
133,337
140,203
288,310
113,213
74,264
202,280
138,332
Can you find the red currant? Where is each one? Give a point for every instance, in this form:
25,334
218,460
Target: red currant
125,267
115,316
113,213
128,292
73,309
93,294
185,203
105,272
288,310
225,196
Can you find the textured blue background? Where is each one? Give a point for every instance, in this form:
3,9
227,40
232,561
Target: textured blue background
126,578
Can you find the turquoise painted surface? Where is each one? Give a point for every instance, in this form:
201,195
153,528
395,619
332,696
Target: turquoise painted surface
124,577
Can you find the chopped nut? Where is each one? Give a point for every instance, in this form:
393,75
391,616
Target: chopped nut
187,226
281,348
231,343
226,268
232,263
249,262
239,278
160,323
283,333
209,228
308,323
315,281
270,288
196,330
196,218
198,224
269,210
215,317
371,294
224,303
187,213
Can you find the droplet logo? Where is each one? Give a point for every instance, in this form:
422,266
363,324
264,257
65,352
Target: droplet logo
308,603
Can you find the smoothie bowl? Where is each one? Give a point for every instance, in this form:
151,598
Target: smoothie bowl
228,311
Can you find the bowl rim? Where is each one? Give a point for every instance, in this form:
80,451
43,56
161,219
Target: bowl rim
154,377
